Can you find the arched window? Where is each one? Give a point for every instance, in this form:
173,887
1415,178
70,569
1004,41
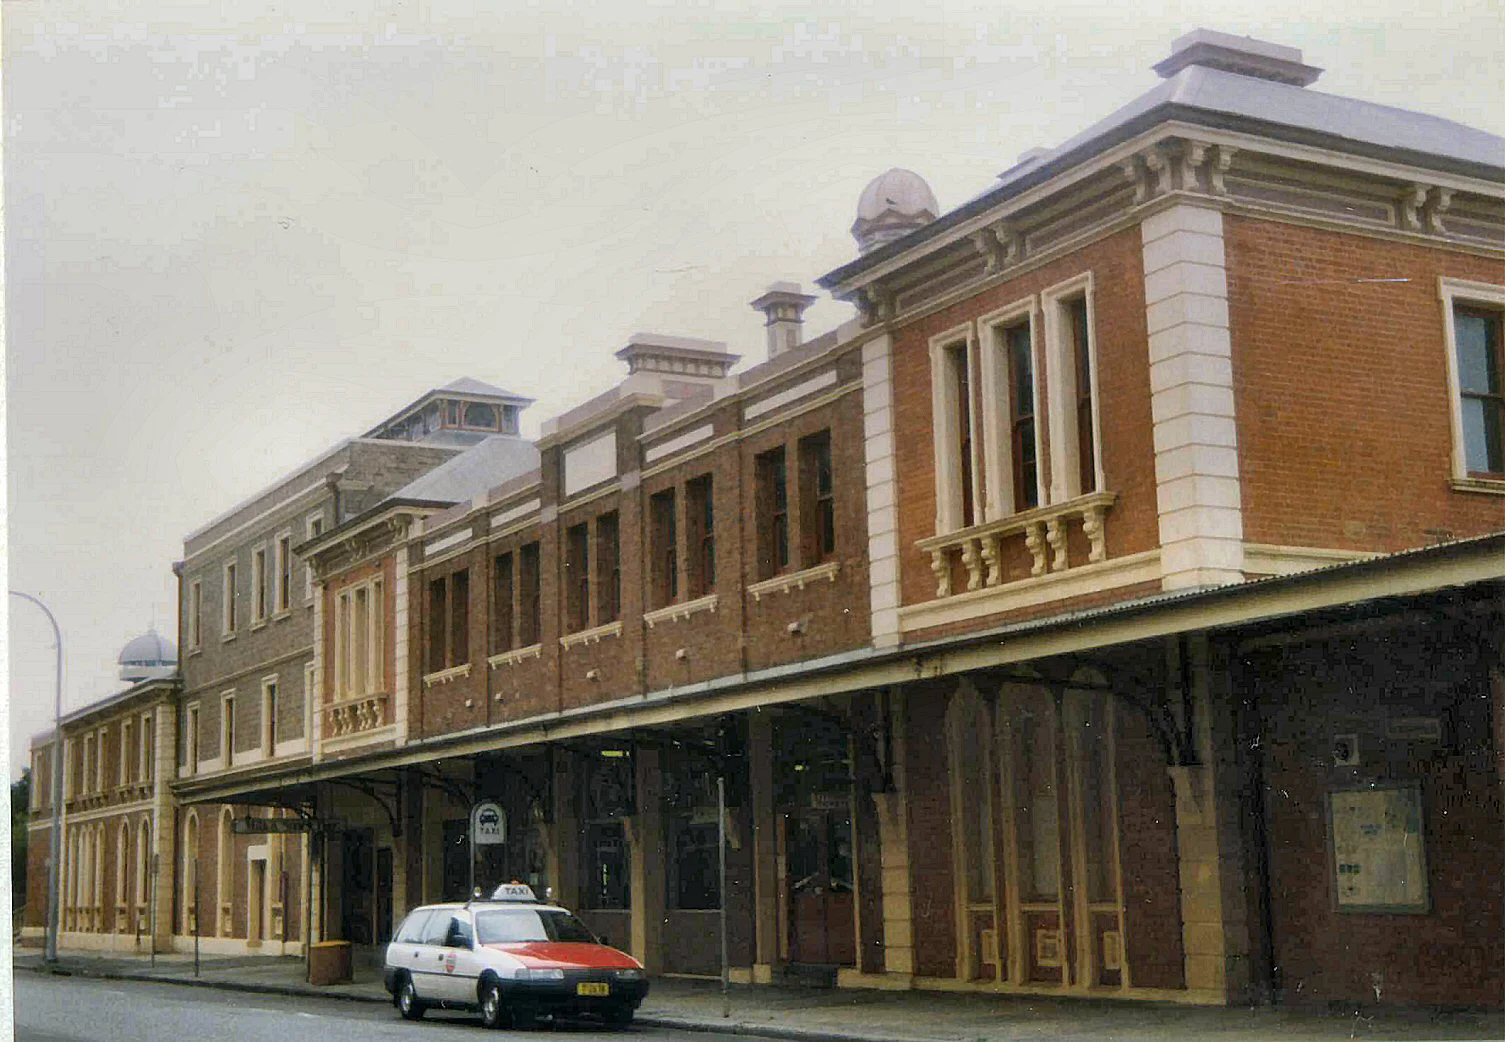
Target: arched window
189,874
123,921
478,414
143,863
225,864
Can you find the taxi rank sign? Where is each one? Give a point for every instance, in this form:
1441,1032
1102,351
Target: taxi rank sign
488,827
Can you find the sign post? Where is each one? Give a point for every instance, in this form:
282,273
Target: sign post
488,827
726,999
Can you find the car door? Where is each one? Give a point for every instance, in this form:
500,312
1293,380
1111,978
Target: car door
436,960
468,958
404,951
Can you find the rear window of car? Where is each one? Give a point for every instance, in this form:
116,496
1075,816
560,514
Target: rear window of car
522,925
412,928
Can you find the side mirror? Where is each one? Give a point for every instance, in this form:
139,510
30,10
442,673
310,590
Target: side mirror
603,939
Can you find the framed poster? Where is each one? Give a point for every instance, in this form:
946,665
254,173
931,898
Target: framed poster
1379,849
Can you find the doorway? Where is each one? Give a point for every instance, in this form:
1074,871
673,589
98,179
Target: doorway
356,885
256,910
822,930
383,895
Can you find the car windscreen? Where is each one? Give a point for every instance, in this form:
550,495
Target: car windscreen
521,925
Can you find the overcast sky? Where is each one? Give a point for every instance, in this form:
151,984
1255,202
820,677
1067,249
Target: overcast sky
236,233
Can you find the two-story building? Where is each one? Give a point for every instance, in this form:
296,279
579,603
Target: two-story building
1111,609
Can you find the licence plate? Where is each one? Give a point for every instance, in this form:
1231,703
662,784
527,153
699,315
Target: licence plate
592,988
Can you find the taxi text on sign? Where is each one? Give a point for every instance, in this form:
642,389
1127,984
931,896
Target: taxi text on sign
488,824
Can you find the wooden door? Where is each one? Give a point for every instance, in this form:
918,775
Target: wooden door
819,857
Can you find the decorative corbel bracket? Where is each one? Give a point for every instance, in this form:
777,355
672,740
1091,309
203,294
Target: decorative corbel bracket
1193,155
1000,244
1411,202
1437,204
1218,166
876,305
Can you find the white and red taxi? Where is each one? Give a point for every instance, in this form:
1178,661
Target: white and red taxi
512,957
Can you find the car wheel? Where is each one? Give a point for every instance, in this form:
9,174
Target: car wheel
493,1009
407,1001
618,1016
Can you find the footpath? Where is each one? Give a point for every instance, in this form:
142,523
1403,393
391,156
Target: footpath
814,1015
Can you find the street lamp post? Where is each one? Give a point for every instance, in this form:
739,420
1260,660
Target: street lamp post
54,869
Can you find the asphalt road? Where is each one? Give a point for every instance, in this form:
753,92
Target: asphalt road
77,1009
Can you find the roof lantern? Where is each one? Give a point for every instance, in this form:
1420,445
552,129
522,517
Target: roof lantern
893,204
1242,55
150,656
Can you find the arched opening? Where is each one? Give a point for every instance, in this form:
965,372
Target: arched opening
190,873
225,866
123,921
143,868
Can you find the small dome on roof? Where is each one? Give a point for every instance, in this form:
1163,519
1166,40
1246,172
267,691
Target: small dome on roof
893,204
147,656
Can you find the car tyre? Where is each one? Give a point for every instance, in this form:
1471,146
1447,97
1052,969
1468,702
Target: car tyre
618,1016
493,1008
407,1001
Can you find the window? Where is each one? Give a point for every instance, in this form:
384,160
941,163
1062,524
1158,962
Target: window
315,523
817,499
228,614
227,730
1476,337
284,561
530,603
449,621
1070,389
771,494
663,548
954,407
577,577
1473,316
146,770
502,601
269,716
480,416
195,620
259,585
1081,371
191,740
126,749
700,520
609,569
1021,374
87,770
99,762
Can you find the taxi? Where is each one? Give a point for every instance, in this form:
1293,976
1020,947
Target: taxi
511,957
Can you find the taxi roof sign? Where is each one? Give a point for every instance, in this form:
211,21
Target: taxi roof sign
514,892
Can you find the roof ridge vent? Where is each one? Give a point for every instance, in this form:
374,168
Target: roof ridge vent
1242,55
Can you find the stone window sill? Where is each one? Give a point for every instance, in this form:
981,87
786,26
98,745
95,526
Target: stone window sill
516,656
444,676
795,580
592,636
675,612
1486,486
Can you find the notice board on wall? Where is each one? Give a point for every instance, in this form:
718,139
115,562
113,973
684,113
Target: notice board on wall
1379,849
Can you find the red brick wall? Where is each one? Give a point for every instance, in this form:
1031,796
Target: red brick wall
1124,390
1341,388
1452,954
741,634
1147,856
930,862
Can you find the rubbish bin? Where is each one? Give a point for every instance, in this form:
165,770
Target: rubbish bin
329,963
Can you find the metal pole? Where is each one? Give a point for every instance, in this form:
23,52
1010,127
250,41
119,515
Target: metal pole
56,838
151,927
197,916
726,998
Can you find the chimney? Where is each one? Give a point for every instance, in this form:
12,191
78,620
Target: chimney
1242,55
784,307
